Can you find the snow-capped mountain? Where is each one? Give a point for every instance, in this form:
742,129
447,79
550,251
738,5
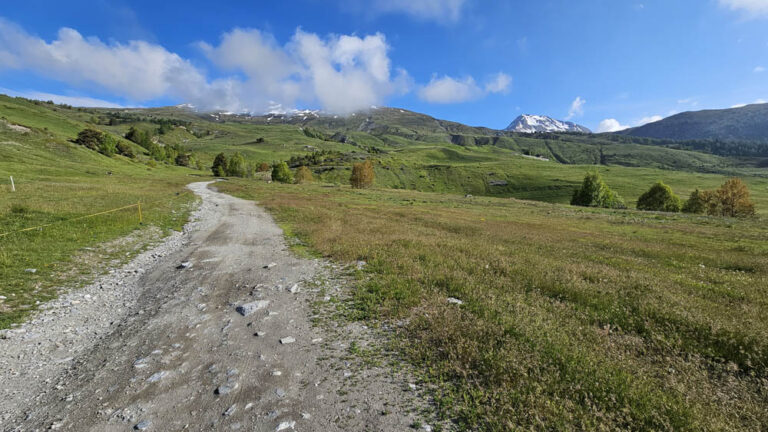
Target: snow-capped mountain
527,123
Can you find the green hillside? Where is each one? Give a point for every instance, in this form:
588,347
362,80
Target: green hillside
56,181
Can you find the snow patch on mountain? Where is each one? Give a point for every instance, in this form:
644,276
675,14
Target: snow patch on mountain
527,123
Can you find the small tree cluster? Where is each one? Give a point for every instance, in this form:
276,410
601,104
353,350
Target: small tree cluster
103,143
363,175
659,198
281,173
595,193
731,200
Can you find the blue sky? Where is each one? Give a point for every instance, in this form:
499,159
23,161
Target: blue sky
602,63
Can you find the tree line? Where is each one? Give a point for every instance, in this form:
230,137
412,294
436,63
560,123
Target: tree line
731,199
363,173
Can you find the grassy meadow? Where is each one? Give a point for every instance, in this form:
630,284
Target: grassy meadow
573,319
56,181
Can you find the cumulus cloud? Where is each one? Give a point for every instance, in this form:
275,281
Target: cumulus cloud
750,7
137,70
500,83
446,89
347,73
649,119
436,10
757,101
80,101
610,125
576,109
341,74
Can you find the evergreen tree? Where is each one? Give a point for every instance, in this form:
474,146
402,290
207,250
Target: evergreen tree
219,167
595,193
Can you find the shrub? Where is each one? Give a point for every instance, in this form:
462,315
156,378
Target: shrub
697,203
281,173
362,175
125,149
236,166
219,167
140,137
595,193
90,138
304,175
107,145
733,199
263,167
659,198
183,159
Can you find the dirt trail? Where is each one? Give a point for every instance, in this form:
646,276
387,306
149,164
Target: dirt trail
178,355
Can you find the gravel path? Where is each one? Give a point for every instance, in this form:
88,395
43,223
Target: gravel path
210,330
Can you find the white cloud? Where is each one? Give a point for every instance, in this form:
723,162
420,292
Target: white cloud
610,125
758,69
340,73
446,89
348,73
499,84
79,101
649,119
577,108
752,8
757,101
137,70
436,10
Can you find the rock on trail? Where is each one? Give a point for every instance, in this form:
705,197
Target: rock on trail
172,346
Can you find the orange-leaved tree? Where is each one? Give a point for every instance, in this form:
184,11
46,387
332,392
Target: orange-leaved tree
733,199
362,175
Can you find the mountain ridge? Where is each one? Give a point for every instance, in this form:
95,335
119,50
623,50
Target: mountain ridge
528,123
746,123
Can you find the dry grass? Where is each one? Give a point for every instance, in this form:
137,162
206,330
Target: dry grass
573,319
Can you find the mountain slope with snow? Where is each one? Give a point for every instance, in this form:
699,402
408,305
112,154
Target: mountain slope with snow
527,123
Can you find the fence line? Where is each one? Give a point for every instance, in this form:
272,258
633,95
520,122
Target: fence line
137,205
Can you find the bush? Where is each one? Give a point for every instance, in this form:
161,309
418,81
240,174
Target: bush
281,173
304,175
236,166
183,159
108,145
595,193
697,203
219,167
140,137
733,199
125,149
90,138
659,198
264,167
363,175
